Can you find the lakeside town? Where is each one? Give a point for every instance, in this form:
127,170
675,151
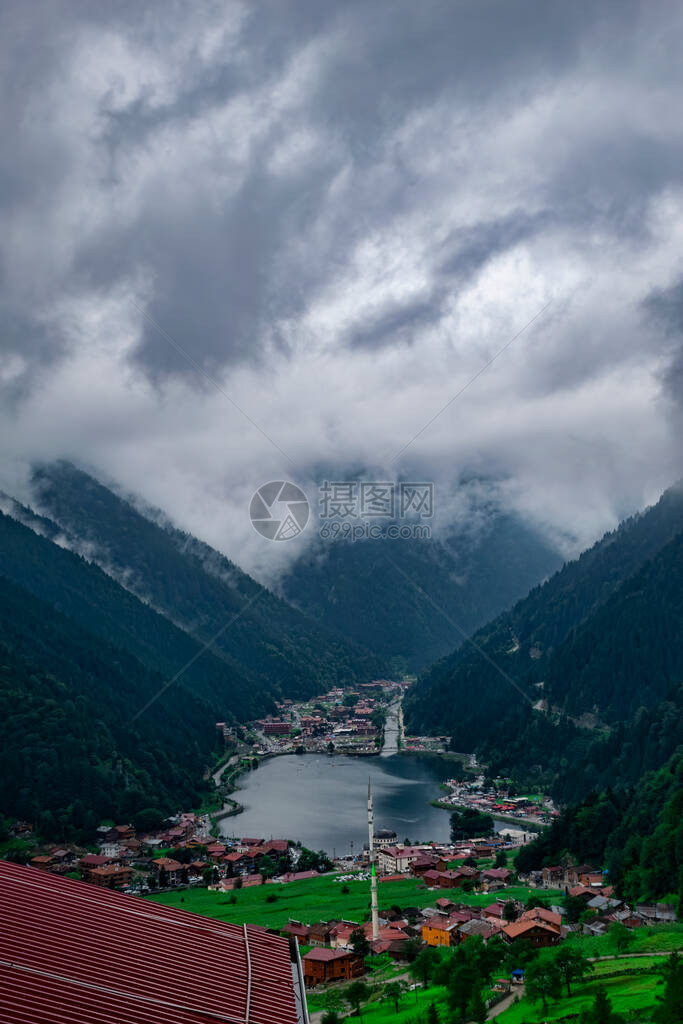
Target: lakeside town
431,898
454,892
362,722
343,721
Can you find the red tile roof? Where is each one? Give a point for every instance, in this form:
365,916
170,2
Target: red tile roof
495,910
72,953
321,953
544,915
518,928
297,876
95,860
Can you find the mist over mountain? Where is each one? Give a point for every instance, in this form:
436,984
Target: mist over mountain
241,242
273,644
112,677
414,600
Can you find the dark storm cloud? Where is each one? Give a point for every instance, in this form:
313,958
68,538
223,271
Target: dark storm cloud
220,265
342,212
665,308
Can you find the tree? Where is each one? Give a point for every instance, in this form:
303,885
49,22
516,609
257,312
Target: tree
432,1014
463,981
573,965
267,867
543,981
521,953
488,956
601,1012
501,859
620,936
668,1008
509,911
359,942
309,860
357,993
148,819
394,992
468,822
424,965
411,948
210,875
574,907
334,1000
334,1004
476,1008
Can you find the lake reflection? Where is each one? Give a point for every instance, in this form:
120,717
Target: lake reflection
322,800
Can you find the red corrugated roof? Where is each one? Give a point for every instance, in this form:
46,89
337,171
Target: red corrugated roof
71,953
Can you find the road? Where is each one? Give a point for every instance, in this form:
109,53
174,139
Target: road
516,993
391,729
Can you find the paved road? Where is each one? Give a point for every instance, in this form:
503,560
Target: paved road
517,992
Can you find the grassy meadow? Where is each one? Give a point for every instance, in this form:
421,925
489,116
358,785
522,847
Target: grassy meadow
320,899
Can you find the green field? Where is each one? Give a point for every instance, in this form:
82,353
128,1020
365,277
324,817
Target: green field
636,963
627,992
412,1004
661,938
630,990
320,899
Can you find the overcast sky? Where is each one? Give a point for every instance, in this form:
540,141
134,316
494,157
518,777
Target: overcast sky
246,241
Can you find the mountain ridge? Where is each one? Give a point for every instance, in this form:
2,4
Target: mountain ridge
536,644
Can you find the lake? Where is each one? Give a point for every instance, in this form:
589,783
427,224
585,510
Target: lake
322,800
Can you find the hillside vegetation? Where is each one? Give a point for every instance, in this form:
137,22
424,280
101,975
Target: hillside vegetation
586,670
383,593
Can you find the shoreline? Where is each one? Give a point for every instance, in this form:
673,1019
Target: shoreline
235,771
523,823
231,808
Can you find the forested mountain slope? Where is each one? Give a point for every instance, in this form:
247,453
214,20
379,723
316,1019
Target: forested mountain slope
636,834
92,600
71,750
270,643
601,640
375,591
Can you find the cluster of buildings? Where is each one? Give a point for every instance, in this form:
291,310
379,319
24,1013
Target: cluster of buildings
343,720
453,923
498,802
336,952
336,947
426,744
591,886
126,860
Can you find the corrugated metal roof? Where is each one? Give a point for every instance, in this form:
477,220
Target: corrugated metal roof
72,953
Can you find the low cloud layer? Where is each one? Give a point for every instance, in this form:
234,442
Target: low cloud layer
247,241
